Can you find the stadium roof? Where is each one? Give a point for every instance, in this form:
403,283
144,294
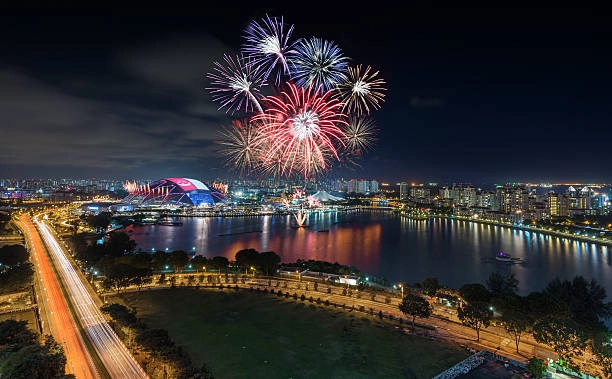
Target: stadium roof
173,191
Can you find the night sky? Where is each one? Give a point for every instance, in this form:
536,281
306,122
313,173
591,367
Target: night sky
473,94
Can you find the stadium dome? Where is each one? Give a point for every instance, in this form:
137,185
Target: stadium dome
173,192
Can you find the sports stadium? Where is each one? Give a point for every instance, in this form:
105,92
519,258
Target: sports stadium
170,192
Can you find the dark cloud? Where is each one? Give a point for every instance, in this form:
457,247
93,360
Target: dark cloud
473,93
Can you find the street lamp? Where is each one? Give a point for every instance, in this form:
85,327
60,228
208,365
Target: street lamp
402,288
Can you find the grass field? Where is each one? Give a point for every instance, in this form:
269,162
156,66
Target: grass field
255,335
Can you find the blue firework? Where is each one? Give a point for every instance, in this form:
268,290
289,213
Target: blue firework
267,44
318,63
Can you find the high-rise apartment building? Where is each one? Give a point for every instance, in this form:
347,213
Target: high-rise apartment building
403,190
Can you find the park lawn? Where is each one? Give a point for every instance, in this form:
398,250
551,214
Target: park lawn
243,334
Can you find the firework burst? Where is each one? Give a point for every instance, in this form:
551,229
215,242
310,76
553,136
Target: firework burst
240,143
363,91
236,84
318,63
302,129
361,134
319,117
268,45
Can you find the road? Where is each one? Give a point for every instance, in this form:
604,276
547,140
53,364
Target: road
55,313
117,360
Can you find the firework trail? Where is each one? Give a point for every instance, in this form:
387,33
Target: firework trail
363,91
236,84
304,127
268,46
318,63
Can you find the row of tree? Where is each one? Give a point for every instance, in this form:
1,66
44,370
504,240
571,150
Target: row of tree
566,315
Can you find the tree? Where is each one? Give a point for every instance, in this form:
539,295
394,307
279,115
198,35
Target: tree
28,359
141,277
474,292
199,262
602,350
159,260
516,322
120,275
540,306
246,258
564,336
55,359
98,222
430,286
585,300
178,259
415,306
140,259
268,262
120,313
476,316
220,263
17,278
502,285
119,243
15,334
12,255
536,368
154,340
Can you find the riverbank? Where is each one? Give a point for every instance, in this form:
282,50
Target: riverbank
572,237
527,228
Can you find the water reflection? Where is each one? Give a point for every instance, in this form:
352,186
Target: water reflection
399,249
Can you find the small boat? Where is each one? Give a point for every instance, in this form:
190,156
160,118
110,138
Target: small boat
506,258
503,257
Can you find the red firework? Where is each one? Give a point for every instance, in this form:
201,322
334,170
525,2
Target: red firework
301,129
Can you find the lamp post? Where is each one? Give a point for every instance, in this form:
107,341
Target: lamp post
402,288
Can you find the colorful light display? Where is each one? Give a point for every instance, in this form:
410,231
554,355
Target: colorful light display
306,108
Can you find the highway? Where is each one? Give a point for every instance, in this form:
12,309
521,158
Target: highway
117,360
56,317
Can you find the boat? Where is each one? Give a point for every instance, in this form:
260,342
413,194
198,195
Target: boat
506,258
503,257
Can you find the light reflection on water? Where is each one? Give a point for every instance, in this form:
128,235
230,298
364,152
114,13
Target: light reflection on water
386,245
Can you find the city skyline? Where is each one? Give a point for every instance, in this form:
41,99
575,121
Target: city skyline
474,95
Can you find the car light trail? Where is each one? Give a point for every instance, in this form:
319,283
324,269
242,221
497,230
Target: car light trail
61,324
116,357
